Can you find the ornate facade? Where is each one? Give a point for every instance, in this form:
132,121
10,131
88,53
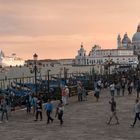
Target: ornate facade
127,43
127,52
101,56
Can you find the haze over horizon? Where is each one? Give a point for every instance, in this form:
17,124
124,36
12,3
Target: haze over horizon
55,29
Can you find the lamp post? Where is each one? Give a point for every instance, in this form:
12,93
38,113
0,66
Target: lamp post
138,83
65,74
60,73
5,78
109,62
107,66
48,83
35,68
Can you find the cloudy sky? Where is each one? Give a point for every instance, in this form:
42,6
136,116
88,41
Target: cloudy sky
56,28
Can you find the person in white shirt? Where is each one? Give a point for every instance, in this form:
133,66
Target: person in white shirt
99,84
112,89
67,94
137,112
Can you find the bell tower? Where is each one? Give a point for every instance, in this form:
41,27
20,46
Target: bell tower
119,44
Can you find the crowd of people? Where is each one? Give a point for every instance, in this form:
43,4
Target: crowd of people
121,86
36,104
116,87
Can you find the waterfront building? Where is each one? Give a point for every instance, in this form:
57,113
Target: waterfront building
127,52
101,56
53,62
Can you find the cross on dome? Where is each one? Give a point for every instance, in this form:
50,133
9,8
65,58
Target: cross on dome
81,44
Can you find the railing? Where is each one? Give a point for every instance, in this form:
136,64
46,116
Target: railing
4,83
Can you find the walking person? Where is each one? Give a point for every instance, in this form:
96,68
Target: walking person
113,111
4,110
130,87
118,88
8,102
136,111
84,94
60,112
123,86
33,104
97,93
28,104
112,89
49,109
138,87
38,109
99,84
79,92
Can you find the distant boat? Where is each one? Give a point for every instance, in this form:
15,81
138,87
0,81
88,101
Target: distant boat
13,60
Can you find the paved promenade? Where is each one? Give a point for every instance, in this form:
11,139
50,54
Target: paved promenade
82,121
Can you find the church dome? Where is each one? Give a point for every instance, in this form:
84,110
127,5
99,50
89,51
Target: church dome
126,39
136,36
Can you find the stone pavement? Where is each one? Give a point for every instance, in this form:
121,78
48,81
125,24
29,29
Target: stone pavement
82,121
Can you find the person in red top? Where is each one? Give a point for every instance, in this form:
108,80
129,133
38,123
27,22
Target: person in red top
63,95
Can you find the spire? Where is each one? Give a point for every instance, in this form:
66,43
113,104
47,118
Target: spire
2,54
119,41
138,28
119,37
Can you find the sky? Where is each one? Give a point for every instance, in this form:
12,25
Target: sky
54,29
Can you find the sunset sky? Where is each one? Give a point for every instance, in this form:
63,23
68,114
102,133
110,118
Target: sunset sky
55,28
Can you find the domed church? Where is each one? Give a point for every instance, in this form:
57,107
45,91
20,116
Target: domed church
126,42
127,52
99,56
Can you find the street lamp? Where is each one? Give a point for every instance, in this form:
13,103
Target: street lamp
35,68
60,73
65,73
48,83
108,63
